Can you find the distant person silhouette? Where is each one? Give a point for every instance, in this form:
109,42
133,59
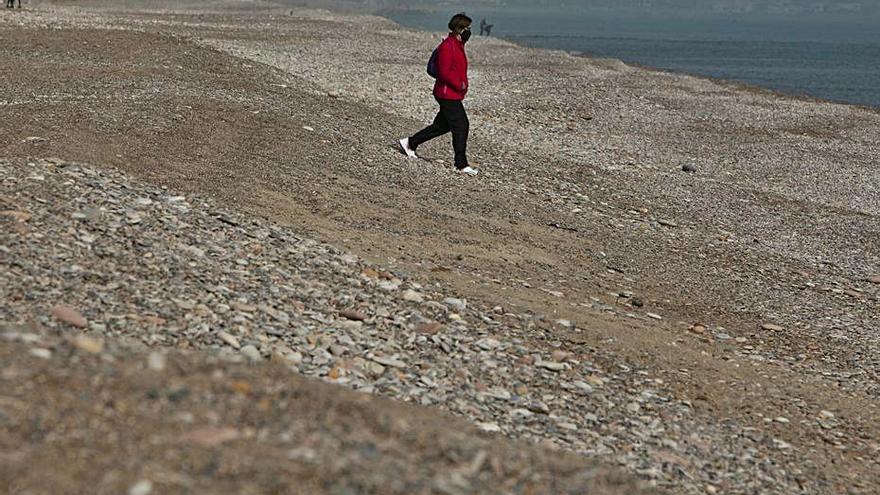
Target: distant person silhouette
485,28
10,4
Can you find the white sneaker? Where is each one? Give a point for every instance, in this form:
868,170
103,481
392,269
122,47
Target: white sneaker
404,147
469,171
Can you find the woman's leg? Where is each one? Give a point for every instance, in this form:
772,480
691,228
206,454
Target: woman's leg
439,127
460,125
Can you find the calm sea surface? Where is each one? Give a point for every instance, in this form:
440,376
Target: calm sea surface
835,59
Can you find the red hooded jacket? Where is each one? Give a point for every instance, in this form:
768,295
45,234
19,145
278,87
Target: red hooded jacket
452,63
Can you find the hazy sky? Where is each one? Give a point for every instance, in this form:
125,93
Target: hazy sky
699,4
673,7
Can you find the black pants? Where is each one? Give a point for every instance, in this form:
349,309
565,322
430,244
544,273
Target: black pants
451,117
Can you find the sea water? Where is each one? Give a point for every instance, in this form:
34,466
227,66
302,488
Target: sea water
830,58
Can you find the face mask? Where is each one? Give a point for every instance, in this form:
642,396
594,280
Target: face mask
465,35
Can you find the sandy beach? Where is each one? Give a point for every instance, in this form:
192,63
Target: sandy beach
594,317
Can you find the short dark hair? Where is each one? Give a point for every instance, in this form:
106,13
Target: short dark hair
459,22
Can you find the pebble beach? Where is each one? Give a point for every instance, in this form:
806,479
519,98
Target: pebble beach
659,283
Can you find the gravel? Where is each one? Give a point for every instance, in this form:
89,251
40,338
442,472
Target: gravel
323,313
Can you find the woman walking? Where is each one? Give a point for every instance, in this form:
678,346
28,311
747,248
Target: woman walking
449,91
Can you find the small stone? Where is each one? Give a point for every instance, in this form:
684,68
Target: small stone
210,437
457,304
521,413
244,308
156,361
294,357
772,327
651,472
539,407
560,355
251,353
133,217
583,386
782,419
489,427
550,365
184,304
230,340
41,353
142,487
429,328
149,319
69,315
564,323
780,444
351,325
595,381
669,443
826,414
500,394
88,344
304,454
654,316
353,315
633,407
374,369
334,373
412,296
308,128
488,344
389,285
698,329
386,361
874,279
689,168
